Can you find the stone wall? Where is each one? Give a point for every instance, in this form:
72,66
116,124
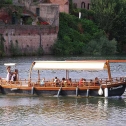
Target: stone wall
29,38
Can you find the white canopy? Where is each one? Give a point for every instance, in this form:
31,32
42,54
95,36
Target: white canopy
70,65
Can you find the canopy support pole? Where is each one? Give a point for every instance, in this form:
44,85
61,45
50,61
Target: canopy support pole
38,76
31,71
67,74
109,72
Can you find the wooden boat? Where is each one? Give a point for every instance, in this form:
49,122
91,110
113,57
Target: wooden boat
105,87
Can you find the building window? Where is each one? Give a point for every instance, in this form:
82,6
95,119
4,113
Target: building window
38,11
88,7
75,5
83,5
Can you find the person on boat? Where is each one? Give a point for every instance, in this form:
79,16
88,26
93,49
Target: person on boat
56,81
9,74
84,82
97,81
64,82
91,82
42,82
14,76
81,82
69,82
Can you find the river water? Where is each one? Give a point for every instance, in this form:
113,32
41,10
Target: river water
61,111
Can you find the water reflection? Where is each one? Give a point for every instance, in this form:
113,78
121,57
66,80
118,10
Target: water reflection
59,111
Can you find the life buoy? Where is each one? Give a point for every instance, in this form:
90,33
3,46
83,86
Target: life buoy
100,91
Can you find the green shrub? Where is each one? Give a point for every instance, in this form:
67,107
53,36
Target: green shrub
103,46
40,51
29,21
6,1
74,34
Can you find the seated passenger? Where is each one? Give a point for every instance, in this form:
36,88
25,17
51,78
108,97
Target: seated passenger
64,81
56,80
69,82
97,81
42,82
81,82
14,76
84,81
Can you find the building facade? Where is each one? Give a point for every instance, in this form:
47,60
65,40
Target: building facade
31,37
47,11
63,5
82,4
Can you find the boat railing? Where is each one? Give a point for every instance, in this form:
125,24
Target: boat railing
19,83
114,80
74,83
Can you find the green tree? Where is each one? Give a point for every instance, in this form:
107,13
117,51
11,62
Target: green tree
76,35
5,1
106,12
101,46
110,15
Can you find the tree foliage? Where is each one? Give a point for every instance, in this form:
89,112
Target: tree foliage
106,12
101,47
77,35
5,1
73,35
110,15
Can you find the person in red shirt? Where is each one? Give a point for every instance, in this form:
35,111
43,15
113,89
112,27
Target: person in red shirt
81,82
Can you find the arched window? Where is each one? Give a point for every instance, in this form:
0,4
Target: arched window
83,5
88,7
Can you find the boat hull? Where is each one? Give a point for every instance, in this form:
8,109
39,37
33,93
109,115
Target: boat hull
117,90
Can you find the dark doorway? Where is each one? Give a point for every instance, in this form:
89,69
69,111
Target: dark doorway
88,6
38,11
